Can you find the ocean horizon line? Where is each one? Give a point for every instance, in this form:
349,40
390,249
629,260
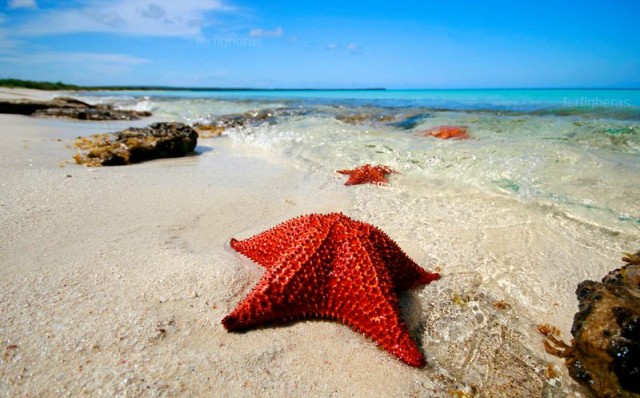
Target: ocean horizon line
19,83
180,88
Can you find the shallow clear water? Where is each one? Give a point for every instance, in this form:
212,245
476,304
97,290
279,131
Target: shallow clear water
529,148
530,155
539,151
543,195
576,174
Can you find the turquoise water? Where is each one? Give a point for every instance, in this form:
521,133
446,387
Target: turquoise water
617,102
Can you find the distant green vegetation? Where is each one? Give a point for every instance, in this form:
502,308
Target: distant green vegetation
17,83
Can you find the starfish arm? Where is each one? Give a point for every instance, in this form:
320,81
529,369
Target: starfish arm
406,274
265,304
360,175
353,180
389,170
268,247
363,297
289,290
347,172
378,177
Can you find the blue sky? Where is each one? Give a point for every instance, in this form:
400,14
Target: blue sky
323,44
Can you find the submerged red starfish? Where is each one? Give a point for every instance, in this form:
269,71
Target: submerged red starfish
447,132
367,173
331,266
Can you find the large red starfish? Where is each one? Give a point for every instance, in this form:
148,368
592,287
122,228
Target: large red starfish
367,173
331,266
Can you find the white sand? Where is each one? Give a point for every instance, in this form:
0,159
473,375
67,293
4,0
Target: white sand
114,281
25,93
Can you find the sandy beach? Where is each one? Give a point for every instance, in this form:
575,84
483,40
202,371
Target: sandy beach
230,198
115,279
114,282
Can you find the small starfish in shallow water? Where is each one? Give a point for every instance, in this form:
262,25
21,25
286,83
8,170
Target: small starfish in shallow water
447,132
330,266
367,174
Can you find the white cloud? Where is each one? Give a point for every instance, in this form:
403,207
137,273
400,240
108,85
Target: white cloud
353,48
182,18
277,32
331,46
293,39
22,4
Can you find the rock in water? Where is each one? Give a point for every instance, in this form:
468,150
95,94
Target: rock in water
412,121
133,145
237,120
365,118
605,350
208,130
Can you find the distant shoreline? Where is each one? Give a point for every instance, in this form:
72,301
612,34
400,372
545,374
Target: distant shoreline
168,88
222,89
60,86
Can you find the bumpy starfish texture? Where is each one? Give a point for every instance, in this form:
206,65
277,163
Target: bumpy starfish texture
331,266
367,174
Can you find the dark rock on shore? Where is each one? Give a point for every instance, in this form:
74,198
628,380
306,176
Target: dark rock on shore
69,108
29,107
133,145
605,350
98,113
